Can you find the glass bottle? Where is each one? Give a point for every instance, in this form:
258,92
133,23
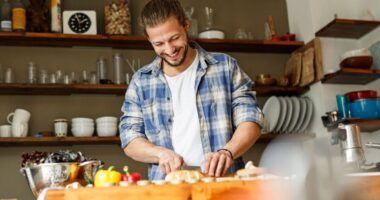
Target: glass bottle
6,18
193,32
18,16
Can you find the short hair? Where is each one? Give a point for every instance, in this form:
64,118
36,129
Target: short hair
155,12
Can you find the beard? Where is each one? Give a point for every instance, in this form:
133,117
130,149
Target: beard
181,59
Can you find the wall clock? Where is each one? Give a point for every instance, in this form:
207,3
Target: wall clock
79,22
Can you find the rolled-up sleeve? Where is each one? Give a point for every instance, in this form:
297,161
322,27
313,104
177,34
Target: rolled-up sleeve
244,104
131,122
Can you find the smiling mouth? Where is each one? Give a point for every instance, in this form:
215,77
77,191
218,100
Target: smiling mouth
173,55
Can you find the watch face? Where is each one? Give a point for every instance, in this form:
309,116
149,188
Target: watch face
79,22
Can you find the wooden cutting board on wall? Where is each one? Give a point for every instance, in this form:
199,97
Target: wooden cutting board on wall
316,62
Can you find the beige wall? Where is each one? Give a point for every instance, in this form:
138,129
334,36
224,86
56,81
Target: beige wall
241,13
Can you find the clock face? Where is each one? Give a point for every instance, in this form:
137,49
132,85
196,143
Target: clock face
79,22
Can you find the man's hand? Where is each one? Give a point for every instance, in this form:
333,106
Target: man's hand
169,161
217,163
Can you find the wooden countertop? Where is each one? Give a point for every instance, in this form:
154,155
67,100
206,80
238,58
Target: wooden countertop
258,189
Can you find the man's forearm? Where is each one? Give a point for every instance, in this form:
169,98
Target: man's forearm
142,150
244,137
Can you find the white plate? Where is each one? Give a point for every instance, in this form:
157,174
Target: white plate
309,113
295,114
271,112
281,119
288,114
303,110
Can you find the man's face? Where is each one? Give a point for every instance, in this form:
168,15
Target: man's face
169,41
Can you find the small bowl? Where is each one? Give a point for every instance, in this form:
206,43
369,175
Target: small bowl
361,94
365,108
109,119
265,79
356,53
106,132
83,132
212,34
82,120
358,62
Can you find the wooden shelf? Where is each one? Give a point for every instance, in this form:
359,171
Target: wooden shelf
347,28
140,42
365,125
54,141
94,140
278,90
352,76
62,89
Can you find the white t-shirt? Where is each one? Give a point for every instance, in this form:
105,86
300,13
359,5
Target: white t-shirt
186,137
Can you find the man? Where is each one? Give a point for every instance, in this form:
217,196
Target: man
188,107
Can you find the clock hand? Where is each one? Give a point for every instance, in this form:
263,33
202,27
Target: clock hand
76,16
83,20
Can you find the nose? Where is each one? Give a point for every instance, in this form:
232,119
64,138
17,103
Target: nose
169,48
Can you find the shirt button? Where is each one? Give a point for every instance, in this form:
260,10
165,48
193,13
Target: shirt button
168,98
169,120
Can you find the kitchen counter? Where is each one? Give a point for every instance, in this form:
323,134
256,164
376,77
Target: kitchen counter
257,189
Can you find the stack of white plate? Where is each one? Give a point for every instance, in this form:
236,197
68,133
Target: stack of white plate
287,114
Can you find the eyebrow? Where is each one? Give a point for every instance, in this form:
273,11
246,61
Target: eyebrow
170,38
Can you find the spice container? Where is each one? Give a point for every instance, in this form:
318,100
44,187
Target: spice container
18,16
117,18
56,16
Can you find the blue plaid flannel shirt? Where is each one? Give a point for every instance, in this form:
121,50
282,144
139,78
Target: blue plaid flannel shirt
224,100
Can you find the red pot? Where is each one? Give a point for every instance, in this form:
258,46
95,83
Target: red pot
361,94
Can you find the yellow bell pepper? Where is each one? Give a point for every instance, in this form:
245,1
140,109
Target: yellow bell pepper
107,177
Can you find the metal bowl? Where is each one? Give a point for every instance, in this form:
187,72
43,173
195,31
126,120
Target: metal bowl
58,175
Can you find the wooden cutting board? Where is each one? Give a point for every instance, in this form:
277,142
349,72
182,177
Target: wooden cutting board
307,75
293,68
259,189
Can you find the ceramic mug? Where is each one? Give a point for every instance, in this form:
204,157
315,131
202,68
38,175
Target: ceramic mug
5,130
19,116
19,129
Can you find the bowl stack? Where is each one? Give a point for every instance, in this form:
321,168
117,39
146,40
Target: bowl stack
106,126
364,104
82,127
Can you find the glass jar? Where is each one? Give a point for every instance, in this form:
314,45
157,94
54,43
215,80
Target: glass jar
117,18
193,32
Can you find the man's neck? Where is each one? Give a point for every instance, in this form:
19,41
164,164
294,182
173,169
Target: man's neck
173,71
